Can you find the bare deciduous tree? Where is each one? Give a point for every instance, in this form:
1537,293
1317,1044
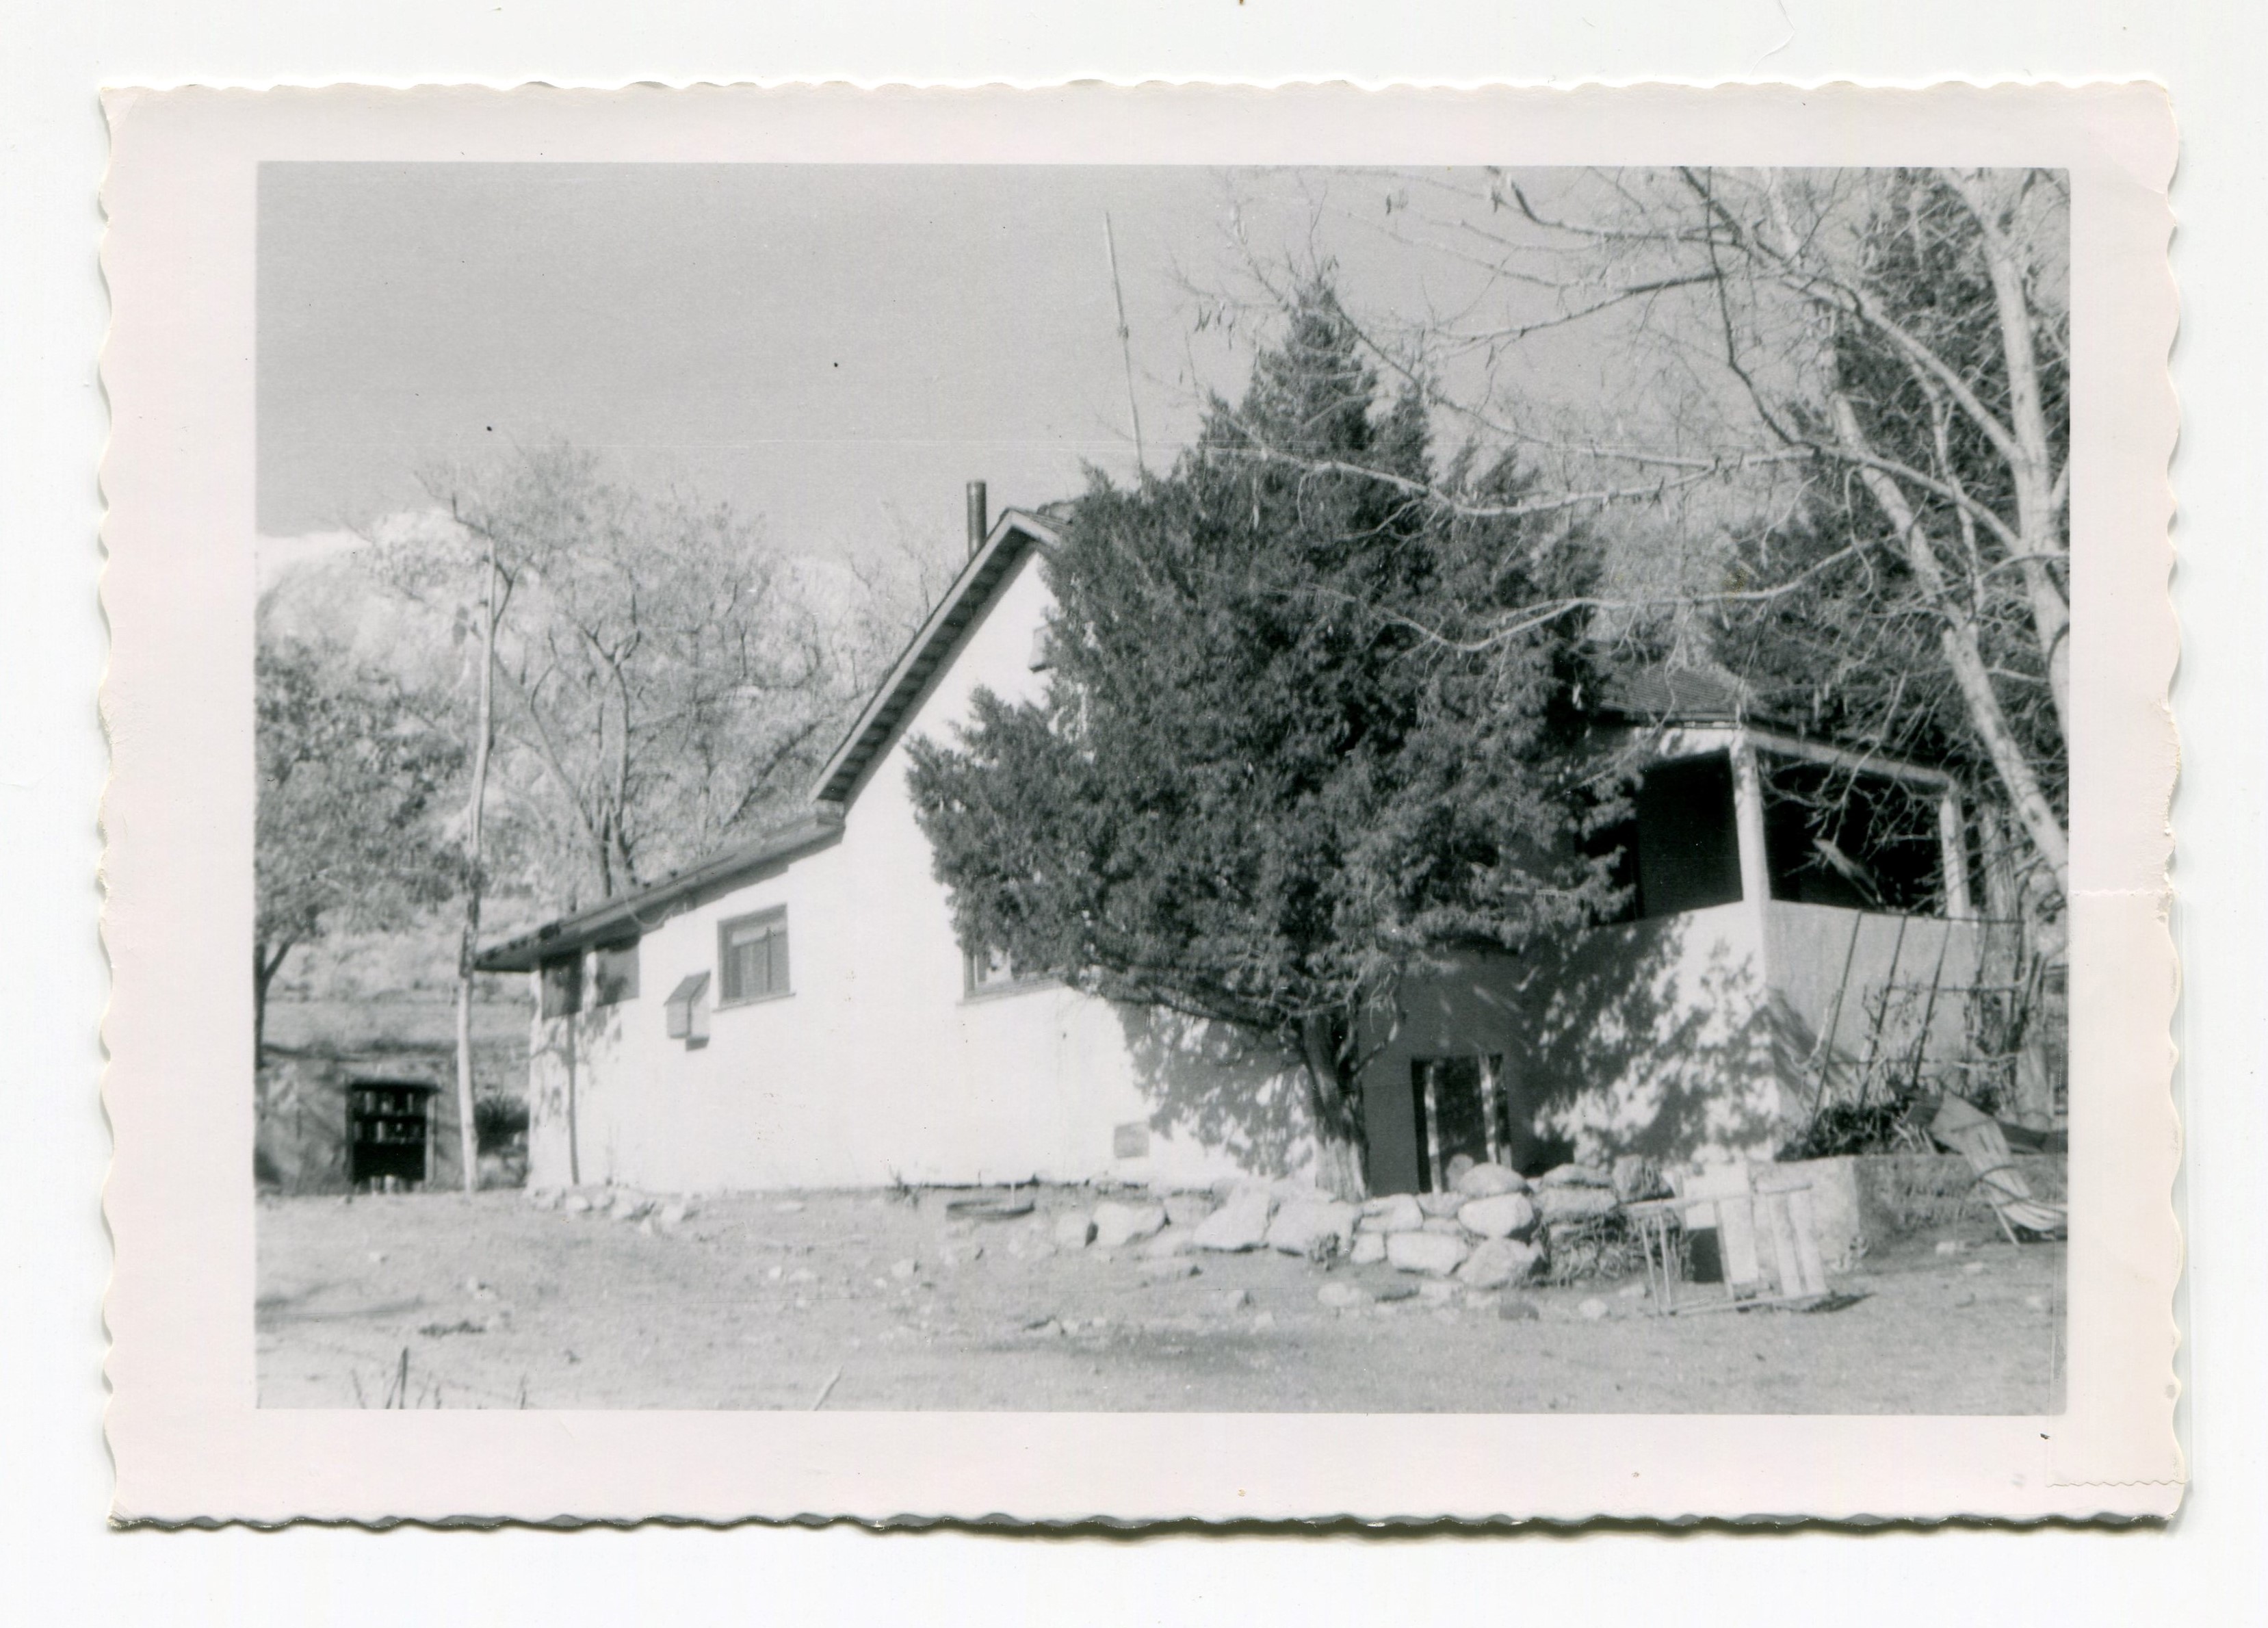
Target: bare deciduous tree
1852,384
658,674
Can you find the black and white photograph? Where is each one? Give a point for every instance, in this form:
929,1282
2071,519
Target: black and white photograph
1182,805
1090,788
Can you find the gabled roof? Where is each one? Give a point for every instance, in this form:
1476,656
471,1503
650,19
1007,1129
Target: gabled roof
631,914
1014,536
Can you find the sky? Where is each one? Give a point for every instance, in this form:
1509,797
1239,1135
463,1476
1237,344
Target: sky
837,349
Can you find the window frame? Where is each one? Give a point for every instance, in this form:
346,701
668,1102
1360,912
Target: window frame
1014,983
772,916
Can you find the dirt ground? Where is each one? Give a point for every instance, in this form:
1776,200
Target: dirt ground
863,1300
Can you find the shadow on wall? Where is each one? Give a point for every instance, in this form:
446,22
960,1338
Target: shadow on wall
559,1091
1654,1037
1217,1085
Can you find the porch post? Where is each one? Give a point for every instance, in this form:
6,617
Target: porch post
1748,820
1953,857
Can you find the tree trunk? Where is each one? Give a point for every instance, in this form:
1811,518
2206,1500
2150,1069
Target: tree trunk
2032,462
264,969
1958,639
1335,1105
468,1148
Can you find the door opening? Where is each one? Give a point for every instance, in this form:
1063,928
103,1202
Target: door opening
388,1132
1459,1107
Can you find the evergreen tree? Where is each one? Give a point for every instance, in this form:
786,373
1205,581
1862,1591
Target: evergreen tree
1277,768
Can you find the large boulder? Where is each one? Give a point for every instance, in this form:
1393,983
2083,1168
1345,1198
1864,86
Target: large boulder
1555,1205
1187,1209
1489,1180
1506,1215
1440,1204
1118,1225
1575,1176
1074,1230
1448,1224
1396,1212
1496,1262
1312,1227
1369,1248
1435,1254
1242,1223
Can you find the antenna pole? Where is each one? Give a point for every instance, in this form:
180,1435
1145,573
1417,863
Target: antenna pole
1125,342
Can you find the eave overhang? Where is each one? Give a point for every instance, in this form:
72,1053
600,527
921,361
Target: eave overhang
1014,536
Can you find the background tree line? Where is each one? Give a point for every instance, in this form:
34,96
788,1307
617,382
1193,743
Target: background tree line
548,688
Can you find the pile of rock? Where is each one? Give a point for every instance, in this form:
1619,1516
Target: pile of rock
1482,1232
646,1211
1493,1229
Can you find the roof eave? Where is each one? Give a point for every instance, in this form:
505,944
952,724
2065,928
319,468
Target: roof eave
616,918
929,649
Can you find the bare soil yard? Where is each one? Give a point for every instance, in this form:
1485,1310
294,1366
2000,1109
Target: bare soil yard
886,1301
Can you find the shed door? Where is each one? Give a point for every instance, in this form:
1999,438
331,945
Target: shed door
1459,1109
388,1132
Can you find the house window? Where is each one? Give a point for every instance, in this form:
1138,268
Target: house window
991,972
986,969
616,974
563,985
752,953
1862,842
687,1007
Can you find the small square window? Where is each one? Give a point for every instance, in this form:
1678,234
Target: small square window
752,956
563,985
988,970
616,974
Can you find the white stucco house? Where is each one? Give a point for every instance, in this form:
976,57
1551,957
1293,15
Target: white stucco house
795,1012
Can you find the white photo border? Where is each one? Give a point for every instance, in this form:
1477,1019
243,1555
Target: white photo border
179,589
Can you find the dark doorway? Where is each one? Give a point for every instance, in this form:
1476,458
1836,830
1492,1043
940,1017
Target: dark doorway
1458,1108
388,1129
1688,845
1680,849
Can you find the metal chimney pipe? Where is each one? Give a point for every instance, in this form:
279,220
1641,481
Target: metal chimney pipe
978,524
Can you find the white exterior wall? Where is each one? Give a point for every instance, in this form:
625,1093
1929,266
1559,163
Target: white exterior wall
876,1067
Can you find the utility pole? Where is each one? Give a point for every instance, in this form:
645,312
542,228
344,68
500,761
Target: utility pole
1125,342
484,731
